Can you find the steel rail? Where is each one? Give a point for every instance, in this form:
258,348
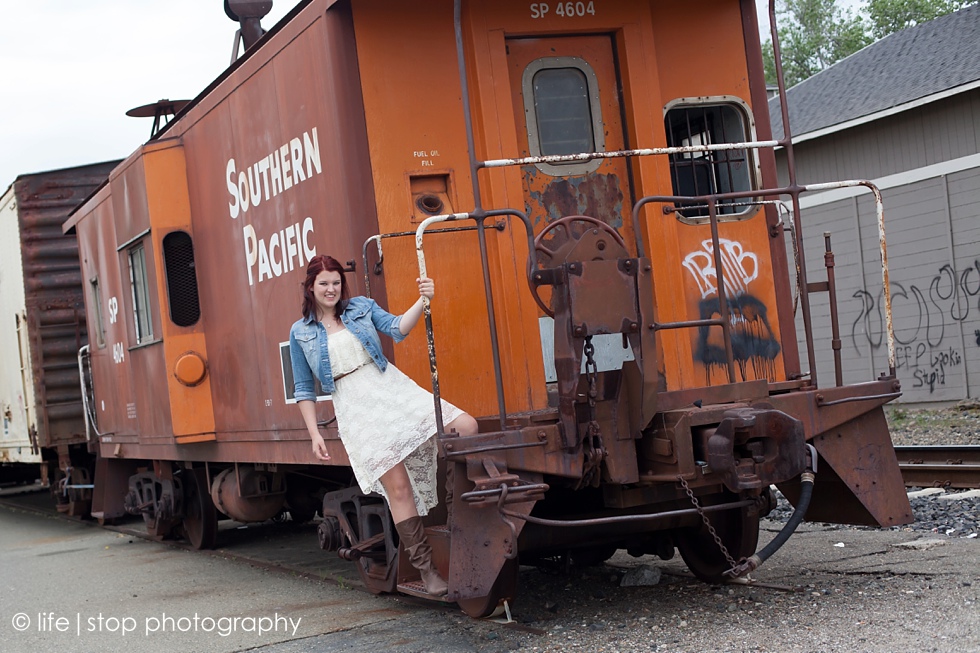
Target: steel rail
955,466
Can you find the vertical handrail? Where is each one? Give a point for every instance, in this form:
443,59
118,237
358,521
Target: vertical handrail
492,318
427,312
364,257
723,308
835,343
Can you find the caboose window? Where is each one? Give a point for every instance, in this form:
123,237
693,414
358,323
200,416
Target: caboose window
141,296
707,173
562,111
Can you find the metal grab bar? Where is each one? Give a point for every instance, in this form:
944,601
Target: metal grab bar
649,151
398,234
480,216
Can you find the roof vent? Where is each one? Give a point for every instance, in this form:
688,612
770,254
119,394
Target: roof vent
248,13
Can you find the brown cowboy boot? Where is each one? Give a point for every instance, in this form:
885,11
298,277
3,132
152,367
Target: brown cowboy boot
419,553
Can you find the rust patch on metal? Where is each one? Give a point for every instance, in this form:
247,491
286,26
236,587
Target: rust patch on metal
599,196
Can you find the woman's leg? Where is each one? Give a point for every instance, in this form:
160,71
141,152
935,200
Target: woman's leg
463,425
401,502
398,487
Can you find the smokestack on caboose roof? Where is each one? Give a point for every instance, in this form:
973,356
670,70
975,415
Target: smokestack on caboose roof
248,13
161,110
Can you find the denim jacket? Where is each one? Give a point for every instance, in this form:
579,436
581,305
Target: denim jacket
308,344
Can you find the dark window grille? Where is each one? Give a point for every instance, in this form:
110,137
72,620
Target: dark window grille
178,256
707,173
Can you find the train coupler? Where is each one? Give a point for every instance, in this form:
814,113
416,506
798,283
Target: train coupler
807,479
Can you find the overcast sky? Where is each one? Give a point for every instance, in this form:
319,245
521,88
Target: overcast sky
71,69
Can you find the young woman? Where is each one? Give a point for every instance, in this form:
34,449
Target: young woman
385,421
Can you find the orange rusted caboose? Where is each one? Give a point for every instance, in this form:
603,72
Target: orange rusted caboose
615,299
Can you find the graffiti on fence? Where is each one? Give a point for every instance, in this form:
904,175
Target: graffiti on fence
921,346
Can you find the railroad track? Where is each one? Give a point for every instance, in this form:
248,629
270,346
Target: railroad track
955,466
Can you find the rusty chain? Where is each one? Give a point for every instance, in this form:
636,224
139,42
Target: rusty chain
732,563
594,450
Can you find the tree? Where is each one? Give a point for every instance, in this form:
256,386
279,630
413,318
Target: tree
889,16
815,34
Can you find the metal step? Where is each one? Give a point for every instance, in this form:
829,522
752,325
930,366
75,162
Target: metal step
417,588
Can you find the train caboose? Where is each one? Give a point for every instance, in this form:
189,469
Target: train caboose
591,183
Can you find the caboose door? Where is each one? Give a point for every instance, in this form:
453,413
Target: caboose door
566,101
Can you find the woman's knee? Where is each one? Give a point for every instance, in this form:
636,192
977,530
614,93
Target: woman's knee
397,484
464,425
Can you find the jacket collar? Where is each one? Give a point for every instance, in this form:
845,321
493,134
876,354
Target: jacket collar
312,318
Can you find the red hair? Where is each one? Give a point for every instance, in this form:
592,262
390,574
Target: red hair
318,264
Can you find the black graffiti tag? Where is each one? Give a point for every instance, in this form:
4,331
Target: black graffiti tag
752,337
950,294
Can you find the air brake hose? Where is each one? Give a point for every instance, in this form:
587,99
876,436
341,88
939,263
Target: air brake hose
806,493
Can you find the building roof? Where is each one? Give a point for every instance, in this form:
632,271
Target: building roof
903,67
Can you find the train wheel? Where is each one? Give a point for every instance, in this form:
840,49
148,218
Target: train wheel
200,515
505,587
739,532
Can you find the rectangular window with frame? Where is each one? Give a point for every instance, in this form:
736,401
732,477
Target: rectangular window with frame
695,174
563,113
97,305
141,295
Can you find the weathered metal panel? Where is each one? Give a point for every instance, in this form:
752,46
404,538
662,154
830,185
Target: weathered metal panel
114,407
53,295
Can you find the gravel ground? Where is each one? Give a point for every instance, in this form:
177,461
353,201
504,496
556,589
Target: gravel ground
959,424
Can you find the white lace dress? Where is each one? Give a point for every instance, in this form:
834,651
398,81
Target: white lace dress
384,418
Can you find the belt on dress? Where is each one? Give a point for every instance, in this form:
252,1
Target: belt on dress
337,377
